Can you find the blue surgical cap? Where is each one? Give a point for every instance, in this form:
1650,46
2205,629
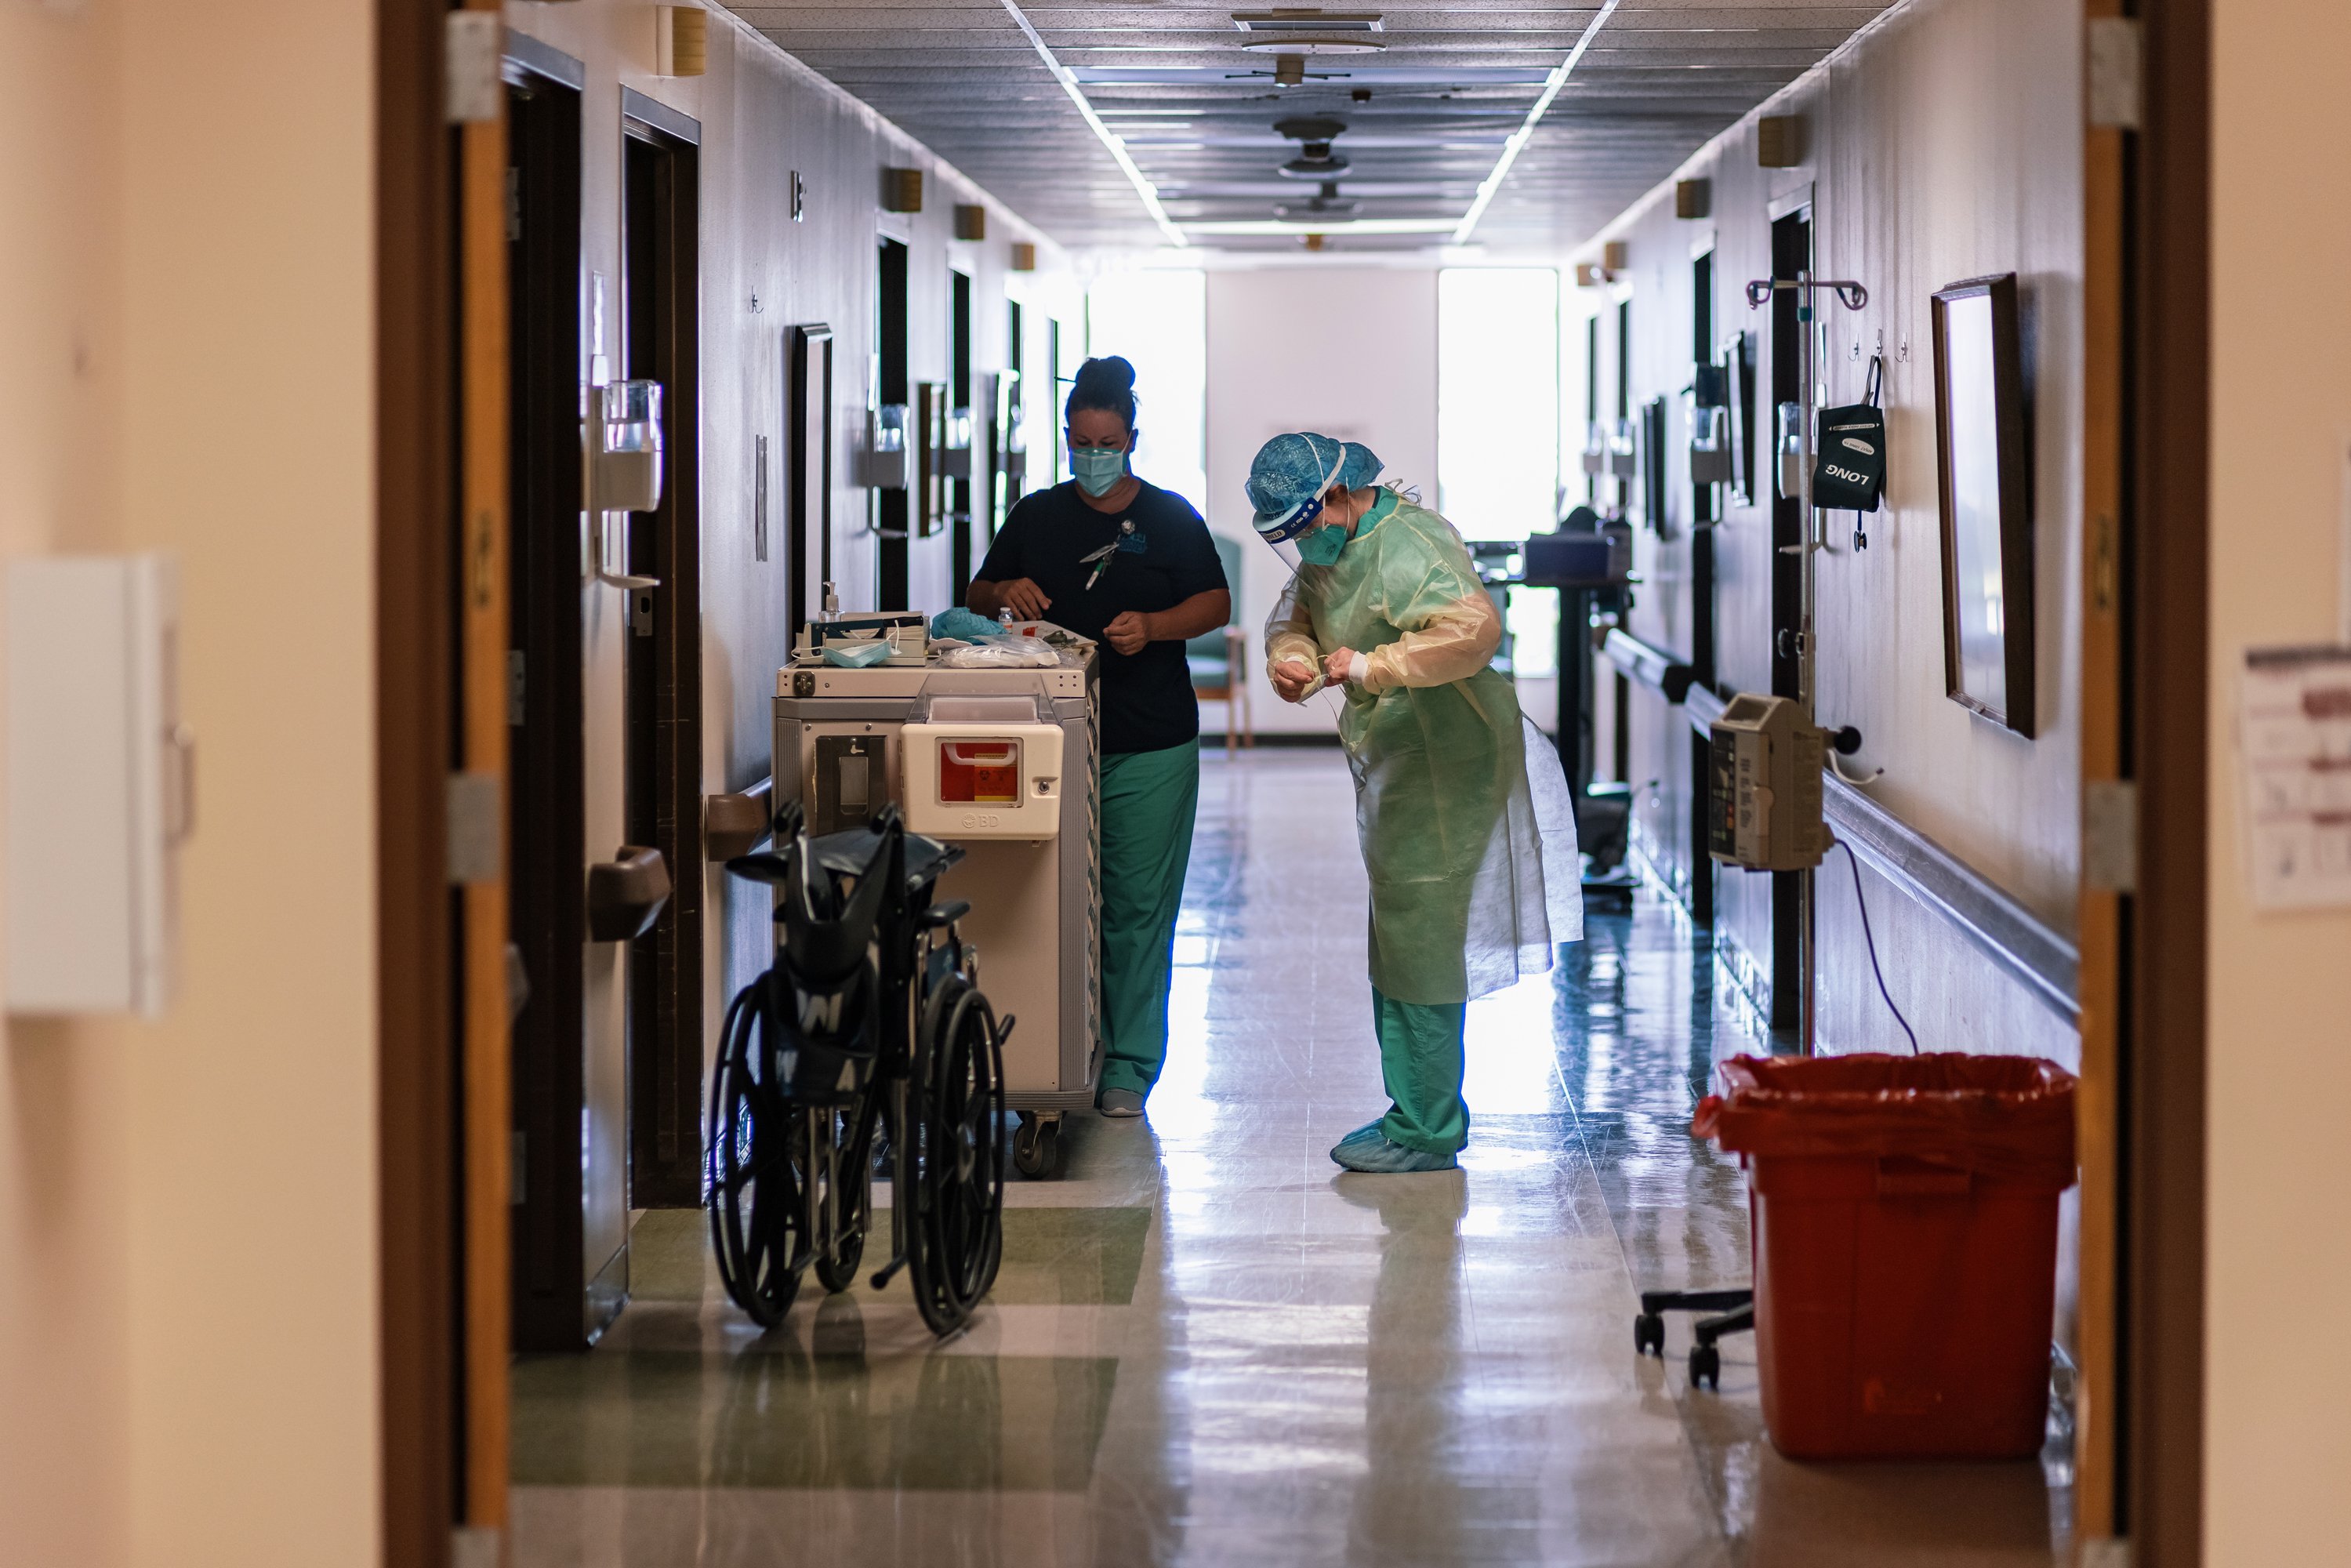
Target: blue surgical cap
1287,481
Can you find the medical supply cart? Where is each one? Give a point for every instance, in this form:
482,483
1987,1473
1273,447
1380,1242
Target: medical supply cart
1005,764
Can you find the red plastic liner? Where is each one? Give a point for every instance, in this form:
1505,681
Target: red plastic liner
2009,1116
1905,1247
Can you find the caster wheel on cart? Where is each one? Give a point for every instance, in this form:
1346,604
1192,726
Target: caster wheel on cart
1649,1334
755,1194
1036,1147
956,1239
1706,1368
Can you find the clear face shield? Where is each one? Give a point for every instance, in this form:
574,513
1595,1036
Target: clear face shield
1293,532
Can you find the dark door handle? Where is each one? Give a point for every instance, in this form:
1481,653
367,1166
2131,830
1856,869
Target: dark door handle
625,895
735,825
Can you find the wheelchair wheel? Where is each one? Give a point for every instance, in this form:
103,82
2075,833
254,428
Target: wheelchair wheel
755,1198
851,1130
957,1237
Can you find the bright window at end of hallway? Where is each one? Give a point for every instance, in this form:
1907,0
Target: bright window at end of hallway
1157,318
1497,422
1498,400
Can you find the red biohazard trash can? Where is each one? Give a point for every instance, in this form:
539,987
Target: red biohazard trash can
1904,1214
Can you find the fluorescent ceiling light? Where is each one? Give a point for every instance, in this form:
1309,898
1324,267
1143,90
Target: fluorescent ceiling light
1108,138
1343,227
1305,21
1525,132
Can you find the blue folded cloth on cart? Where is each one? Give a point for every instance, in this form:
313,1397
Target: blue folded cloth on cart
964,625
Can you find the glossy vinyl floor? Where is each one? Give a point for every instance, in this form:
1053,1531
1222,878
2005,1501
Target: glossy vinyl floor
1210,1347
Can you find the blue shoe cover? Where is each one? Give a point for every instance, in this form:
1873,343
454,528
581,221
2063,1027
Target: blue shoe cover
1386,1158
1368,1132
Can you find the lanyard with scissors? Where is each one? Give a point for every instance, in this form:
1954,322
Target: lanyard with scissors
1099,560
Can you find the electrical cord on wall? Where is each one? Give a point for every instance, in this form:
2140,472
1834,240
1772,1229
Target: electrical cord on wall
1871,941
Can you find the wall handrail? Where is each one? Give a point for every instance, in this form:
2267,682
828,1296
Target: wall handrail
1649,664
2044,961
1702,707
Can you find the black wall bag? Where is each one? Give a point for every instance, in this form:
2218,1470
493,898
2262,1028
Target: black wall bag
1849,470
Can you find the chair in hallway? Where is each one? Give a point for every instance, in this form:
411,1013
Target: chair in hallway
1219,659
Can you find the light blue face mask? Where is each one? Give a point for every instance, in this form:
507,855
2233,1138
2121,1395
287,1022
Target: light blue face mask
1097,469
1322,547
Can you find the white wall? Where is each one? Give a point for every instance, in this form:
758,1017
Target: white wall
1347,352
66,1180
187,1209
1945,145
2277,1445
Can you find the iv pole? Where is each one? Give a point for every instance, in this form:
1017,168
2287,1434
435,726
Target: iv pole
1853,297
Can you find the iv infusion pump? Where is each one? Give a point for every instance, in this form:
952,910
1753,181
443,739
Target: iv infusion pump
1764,811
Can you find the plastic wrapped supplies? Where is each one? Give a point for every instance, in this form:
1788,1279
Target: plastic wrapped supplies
1002,654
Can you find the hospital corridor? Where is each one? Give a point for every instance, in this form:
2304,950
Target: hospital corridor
1202,1349
1131,784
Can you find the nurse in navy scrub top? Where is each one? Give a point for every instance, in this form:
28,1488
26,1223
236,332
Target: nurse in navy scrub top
1118,559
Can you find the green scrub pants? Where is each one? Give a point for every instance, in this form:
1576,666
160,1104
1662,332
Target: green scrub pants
1148,801
1421,1060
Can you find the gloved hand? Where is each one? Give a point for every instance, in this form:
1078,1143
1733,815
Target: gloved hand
1293,679
1344,664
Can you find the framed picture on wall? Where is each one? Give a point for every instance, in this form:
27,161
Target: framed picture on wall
808,446
1985,497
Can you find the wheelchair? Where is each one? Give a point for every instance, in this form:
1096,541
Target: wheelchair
868,1043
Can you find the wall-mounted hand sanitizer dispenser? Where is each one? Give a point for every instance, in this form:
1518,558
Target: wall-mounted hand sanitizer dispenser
888,460
100,784
1791,445
955,459
625,468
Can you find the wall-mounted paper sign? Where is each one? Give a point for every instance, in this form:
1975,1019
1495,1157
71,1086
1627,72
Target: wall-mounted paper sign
2295,736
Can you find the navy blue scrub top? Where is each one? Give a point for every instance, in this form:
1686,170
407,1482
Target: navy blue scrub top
1168,557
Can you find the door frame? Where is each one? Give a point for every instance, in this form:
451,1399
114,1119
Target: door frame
2165,743
1705,509
893,509
546,837
1791,910
416,1035
665,964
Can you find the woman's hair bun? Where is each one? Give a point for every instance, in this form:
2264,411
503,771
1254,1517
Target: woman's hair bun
1110,373
1107,385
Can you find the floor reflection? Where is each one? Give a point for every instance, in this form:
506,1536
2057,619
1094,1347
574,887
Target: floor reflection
1210,1347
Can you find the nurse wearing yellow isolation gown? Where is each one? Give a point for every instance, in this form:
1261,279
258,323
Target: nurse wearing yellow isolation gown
1467,825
